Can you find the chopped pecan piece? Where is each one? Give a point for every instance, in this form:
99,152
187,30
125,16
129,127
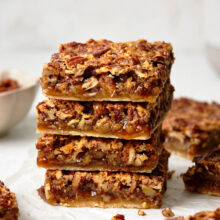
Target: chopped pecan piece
74,61
90,83
118,217
141,212
167,212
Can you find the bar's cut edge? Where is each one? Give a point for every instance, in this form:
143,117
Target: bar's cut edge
101,204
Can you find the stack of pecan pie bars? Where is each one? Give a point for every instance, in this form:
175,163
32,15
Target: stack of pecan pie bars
102,142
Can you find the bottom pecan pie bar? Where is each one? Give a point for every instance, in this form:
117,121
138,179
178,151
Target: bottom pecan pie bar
204,177
8,204
98,154
106,189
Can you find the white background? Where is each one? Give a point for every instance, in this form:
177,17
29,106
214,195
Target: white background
30,31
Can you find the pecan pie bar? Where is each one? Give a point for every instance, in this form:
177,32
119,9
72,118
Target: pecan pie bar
204,176
98,154
192,128
8,204
106,189
106,71
126,120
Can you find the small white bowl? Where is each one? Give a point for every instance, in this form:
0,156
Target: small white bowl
15,104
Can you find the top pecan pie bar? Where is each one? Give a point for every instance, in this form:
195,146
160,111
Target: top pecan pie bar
106,71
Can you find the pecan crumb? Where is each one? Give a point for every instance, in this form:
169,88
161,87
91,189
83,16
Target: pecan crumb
167,212
118,217
170,174
141,212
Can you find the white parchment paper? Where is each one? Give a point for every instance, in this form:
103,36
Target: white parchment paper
29,178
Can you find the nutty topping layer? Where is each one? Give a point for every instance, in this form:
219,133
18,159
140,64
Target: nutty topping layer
118,58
